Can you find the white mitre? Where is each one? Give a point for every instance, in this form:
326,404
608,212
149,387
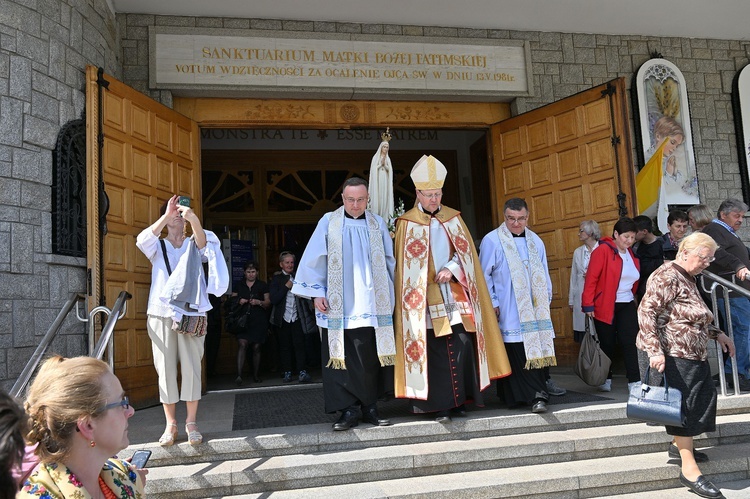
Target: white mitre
428,173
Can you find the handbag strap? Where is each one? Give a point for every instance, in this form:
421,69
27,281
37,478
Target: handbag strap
648,377
166,259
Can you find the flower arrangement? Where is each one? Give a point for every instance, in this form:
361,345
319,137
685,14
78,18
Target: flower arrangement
391,222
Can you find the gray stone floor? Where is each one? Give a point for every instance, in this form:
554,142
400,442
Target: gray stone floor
217,414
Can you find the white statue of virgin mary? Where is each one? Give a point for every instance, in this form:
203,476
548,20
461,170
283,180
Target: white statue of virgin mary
381,180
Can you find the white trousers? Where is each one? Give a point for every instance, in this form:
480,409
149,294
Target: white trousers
170,347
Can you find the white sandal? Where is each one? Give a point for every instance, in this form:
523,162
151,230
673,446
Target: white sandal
167,439
194,437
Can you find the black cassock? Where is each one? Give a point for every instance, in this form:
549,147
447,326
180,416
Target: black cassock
364,381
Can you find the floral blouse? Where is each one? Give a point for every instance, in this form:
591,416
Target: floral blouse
673,318
56,481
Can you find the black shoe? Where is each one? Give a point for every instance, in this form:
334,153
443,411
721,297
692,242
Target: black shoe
304,377
443,417
674,453
287,377
370,415
349,419
459,411
539,407
702,486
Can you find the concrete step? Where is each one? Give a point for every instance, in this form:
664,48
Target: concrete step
317,438
603,477
738,489
458,455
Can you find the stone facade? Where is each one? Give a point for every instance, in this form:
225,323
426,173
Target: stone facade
563,64
45,46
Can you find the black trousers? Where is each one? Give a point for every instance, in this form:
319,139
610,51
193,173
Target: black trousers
291,346
523,386
624,329
363,381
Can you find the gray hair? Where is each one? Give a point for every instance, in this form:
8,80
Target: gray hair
591,228
731,205
701,214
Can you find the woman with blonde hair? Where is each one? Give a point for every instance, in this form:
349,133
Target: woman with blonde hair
675,326
78,416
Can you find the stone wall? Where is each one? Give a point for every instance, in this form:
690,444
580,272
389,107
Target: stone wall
563,64
45,46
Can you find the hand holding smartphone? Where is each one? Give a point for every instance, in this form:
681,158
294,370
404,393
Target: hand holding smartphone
140,458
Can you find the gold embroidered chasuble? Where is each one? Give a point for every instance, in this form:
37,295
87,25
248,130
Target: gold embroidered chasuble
416,291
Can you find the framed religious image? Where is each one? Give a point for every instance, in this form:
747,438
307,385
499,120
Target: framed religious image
741,106
663,115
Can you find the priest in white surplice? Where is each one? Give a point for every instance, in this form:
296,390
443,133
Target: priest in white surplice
514,262
347,268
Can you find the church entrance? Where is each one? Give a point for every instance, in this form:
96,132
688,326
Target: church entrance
264,191
570,160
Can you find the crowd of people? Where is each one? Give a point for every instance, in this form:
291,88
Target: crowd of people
418,314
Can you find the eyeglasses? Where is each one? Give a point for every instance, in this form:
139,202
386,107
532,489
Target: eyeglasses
355,200
124,403
518,220
705,259
434,195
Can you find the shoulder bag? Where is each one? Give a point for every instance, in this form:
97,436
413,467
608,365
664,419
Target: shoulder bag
190,325
593,364
656,404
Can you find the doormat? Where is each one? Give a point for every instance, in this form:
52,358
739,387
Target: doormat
269,409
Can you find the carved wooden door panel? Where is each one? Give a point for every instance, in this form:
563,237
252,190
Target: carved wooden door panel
149,152
570,161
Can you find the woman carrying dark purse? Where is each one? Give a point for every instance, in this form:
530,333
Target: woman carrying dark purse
253,296
675,326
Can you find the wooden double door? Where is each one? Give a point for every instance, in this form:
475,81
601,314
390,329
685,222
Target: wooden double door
570,160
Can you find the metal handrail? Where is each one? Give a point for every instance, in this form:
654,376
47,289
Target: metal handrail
105,340
722,285
41,349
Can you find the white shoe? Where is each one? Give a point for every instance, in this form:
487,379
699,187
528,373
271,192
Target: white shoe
606,387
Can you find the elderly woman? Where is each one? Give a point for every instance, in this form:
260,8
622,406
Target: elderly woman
675,326
175,260
609,296
78,416
589,234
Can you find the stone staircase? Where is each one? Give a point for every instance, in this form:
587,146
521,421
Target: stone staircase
570,452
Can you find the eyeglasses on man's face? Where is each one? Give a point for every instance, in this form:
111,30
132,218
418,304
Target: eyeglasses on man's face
355,200
124,403
432,195
516,220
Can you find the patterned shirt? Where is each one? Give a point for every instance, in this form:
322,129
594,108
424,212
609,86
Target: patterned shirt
673,319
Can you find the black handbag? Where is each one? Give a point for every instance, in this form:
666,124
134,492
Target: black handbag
656,404
593,364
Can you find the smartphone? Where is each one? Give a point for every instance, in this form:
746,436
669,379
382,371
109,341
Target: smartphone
140,458
183,201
